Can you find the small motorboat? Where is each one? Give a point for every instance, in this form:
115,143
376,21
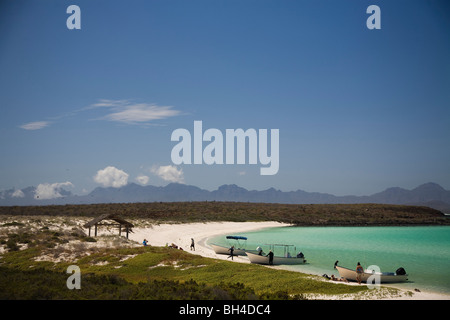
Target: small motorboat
384,277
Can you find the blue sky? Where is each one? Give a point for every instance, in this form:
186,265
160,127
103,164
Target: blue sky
358,110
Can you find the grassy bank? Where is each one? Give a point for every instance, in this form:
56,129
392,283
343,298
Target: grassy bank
156,273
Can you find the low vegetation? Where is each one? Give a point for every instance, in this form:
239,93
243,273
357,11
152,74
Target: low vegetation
302,214
155,273
45,284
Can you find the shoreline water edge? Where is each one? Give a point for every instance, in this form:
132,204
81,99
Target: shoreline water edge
181,235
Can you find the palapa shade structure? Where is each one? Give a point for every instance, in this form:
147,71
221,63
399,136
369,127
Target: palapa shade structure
119,222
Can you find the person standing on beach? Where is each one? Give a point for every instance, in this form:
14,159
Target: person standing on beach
231,252
270,255
359,272
192,244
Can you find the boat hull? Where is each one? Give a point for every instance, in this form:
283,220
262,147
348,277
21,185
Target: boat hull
226,250
385,277
256,258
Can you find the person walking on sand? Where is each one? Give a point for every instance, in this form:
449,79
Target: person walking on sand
359,272
192,244
231,252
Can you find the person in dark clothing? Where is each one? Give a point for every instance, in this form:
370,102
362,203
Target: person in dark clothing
270,255
192,244
231,252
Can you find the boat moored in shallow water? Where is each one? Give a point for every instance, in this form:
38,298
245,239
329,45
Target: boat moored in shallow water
384,277
239,246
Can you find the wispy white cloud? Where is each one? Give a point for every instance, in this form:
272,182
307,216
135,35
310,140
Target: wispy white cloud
37,125
135,113
123,111
111,177
108,103
169,173
50,191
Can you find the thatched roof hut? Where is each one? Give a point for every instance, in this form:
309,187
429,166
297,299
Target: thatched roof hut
118,222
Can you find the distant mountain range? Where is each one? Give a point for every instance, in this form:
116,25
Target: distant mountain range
428,194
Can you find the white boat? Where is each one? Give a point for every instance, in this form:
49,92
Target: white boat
239,248
262,258
385,277
226,250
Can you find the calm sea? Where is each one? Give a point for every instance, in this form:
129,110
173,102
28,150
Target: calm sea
424,252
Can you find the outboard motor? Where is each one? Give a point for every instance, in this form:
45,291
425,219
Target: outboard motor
400,271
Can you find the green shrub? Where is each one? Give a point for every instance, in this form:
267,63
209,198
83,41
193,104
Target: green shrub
12,245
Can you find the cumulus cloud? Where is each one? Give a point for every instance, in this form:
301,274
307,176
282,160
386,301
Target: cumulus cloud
18,194
142,180
111,177
169,173
35,125
50,191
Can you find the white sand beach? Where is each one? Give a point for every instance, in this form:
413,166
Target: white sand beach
181,234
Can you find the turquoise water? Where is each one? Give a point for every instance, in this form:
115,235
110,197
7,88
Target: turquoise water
424,252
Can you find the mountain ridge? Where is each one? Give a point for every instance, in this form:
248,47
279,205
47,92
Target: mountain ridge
428,194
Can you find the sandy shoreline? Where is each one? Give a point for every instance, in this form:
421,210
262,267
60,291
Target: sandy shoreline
181,234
